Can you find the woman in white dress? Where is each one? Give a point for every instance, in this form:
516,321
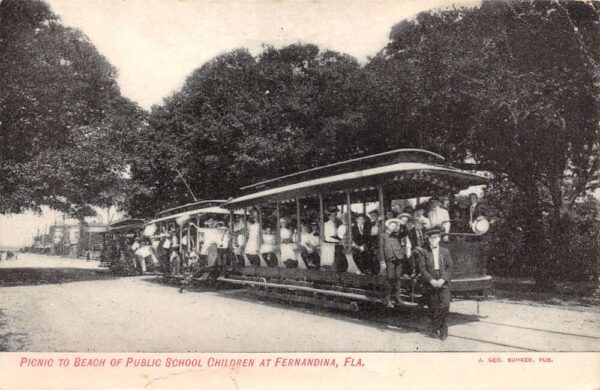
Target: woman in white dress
267,249
251,249
288,255
342,230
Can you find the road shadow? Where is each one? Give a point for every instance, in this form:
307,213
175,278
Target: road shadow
400,320
12,277
195,286
551,299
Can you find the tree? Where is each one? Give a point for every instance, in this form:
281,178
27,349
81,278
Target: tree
65,129
514,86
240,119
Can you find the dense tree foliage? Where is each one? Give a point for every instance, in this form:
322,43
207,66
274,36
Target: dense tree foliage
514,86
240,119
64,126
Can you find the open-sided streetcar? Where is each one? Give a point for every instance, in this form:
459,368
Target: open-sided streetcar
116,249
197,232
283,245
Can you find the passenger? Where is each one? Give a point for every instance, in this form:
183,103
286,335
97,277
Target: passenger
390,214
394,256
475,209
410,211
404,219
331,236
239,240
135,245
330,228
224,255
267,248
445,203
251,248
435,266
395,208
404,237
417,233
308,247
342,230
185,240
361,245
174,233
314,229
419,215
438,216
375,222
315,232
163,253
212,238
138,257
287,246
460,221
175,261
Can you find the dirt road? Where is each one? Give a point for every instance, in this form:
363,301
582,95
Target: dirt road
98,313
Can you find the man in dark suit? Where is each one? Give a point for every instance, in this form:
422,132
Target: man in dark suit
435,266
417,238
361,244
393,255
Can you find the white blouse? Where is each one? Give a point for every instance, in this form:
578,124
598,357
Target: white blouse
252,244
330,232
268,243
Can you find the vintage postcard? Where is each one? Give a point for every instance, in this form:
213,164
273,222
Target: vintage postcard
363,194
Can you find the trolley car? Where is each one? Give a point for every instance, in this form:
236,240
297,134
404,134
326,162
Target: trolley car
116,249
197,231
276,213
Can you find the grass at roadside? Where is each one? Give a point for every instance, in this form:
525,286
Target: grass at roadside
36,276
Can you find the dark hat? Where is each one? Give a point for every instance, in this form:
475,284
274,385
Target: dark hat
374,211
435,230
408,209
332,210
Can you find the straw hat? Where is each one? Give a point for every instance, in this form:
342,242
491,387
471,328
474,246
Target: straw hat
392,221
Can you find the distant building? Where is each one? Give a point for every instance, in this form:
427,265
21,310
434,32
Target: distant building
76,240
91,239
42,243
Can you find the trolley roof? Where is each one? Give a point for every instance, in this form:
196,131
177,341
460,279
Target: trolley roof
374,160
189,207
125,224
189,213
413,178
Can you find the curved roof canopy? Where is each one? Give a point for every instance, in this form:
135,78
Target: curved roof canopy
190,206
374,160
125,224
190,213
419,176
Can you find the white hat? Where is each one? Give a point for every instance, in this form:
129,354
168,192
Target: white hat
391,221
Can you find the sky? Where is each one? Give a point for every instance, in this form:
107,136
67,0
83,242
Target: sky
155,44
